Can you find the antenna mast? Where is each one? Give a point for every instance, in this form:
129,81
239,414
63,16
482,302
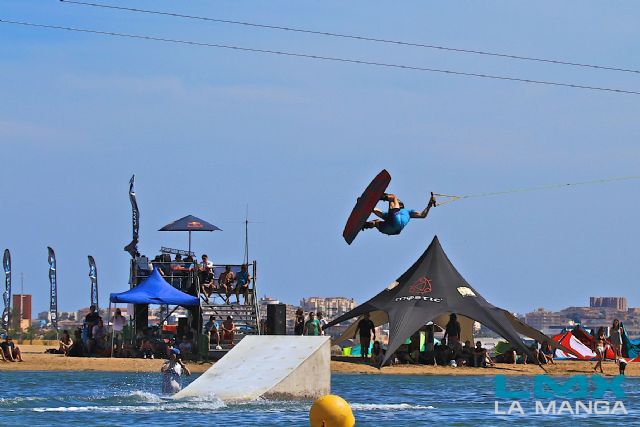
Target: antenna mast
246,236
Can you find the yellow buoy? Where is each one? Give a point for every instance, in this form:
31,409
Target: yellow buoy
331,411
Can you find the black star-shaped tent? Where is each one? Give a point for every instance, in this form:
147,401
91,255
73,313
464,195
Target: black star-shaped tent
432,287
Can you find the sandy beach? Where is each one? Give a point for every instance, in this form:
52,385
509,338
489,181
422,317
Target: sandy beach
37,360
561,368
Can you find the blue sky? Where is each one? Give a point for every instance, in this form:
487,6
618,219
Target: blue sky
208,131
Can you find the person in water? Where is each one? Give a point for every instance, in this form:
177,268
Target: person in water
172,370
397,216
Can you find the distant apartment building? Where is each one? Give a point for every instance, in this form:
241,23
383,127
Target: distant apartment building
618,303
548,322
21,316
66,319
331,307
601,312
67,315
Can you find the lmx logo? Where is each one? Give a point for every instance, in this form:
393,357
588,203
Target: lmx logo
576,387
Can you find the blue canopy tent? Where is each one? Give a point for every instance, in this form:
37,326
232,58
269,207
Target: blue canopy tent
153,290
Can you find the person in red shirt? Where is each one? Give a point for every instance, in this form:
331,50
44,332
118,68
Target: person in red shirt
228,329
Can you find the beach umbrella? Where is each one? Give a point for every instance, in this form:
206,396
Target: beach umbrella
190,223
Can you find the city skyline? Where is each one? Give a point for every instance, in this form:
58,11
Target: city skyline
352,302
600,311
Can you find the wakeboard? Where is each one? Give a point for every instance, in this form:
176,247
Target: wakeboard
365,205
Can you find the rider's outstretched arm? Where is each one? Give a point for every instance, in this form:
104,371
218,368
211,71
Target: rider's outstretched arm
377,212
425,211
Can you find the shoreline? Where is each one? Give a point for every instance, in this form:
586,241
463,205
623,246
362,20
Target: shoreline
563,368
37,360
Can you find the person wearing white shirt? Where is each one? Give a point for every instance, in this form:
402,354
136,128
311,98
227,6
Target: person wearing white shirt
118,322
323,322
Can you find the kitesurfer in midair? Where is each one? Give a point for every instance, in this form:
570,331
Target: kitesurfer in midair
397,216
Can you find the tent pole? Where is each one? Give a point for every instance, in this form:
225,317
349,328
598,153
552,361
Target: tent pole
169,313
109,323
189,242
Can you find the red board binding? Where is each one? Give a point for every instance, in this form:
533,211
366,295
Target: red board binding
365,204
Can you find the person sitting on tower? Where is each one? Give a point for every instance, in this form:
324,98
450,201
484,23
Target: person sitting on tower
225,283
211,329
228,330
397,216
206,277
243,279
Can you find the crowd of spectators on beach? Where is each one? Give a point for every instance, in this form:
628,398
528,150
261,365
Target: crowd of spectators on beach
448,351
98,337
151,343
94,339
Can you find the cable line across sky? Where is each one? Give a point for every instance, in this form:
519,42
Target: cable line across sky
452,198
356,37
318,57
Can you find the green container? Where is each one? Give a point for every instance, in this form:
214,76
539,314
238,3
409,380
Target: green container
203,346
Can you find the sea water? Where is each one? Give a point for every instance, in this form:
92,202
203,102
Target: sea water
128,399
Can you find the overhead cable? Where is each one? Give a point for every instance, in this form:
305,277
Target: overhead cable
357,37
320,57
451,198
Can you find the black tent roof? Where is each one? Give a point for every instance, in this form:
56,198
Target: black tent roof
431,287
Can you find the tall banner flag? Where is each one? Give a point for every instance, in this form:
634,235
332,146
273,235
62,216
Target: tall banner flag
6,295
132,247
93,275
53,302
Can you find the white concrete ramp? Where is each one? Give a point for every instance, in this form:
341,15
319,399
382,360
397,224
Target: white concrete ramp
271,366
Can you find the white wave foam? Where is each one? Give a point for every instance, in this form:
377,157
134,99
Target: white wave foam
13,400
201,398
144,396
69,409
135,396
158,403
387,407
130,408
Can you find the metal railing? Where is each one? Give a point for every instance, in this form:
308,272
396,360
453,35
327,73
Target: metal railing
185,275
